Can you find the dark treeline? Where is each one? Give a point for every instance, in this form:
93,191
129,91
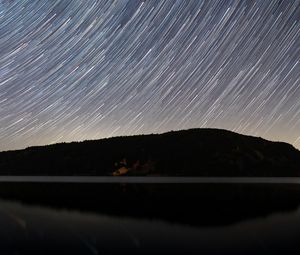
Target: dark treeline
194,152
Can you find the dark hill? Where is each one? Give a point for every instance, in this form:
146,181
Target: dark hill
194,152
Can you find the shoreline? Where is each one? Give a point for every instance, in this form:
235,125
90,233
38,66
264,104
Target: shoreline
149,179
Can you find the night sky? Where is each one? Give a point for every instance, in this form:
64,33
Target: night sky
74,70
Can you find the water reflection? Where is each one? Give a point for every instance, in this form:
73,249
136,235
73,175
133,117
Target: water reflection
37,230
211,219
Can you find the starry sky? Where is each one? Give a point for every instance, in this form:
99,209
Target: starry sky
73,70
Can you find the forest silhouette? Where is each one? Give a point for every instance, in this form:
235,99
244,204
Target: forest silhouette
193,152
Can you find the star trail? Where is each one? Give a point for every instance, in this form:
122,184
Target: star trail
74,70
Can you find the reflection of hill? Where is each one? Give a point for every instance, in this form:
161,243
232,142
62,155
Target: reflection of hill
197,205
195,152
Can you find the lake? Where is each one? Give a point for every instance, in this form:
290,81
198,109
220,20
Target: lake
44,215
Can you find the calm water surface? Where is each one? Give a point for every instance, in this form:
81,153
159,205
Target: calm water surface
159,217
